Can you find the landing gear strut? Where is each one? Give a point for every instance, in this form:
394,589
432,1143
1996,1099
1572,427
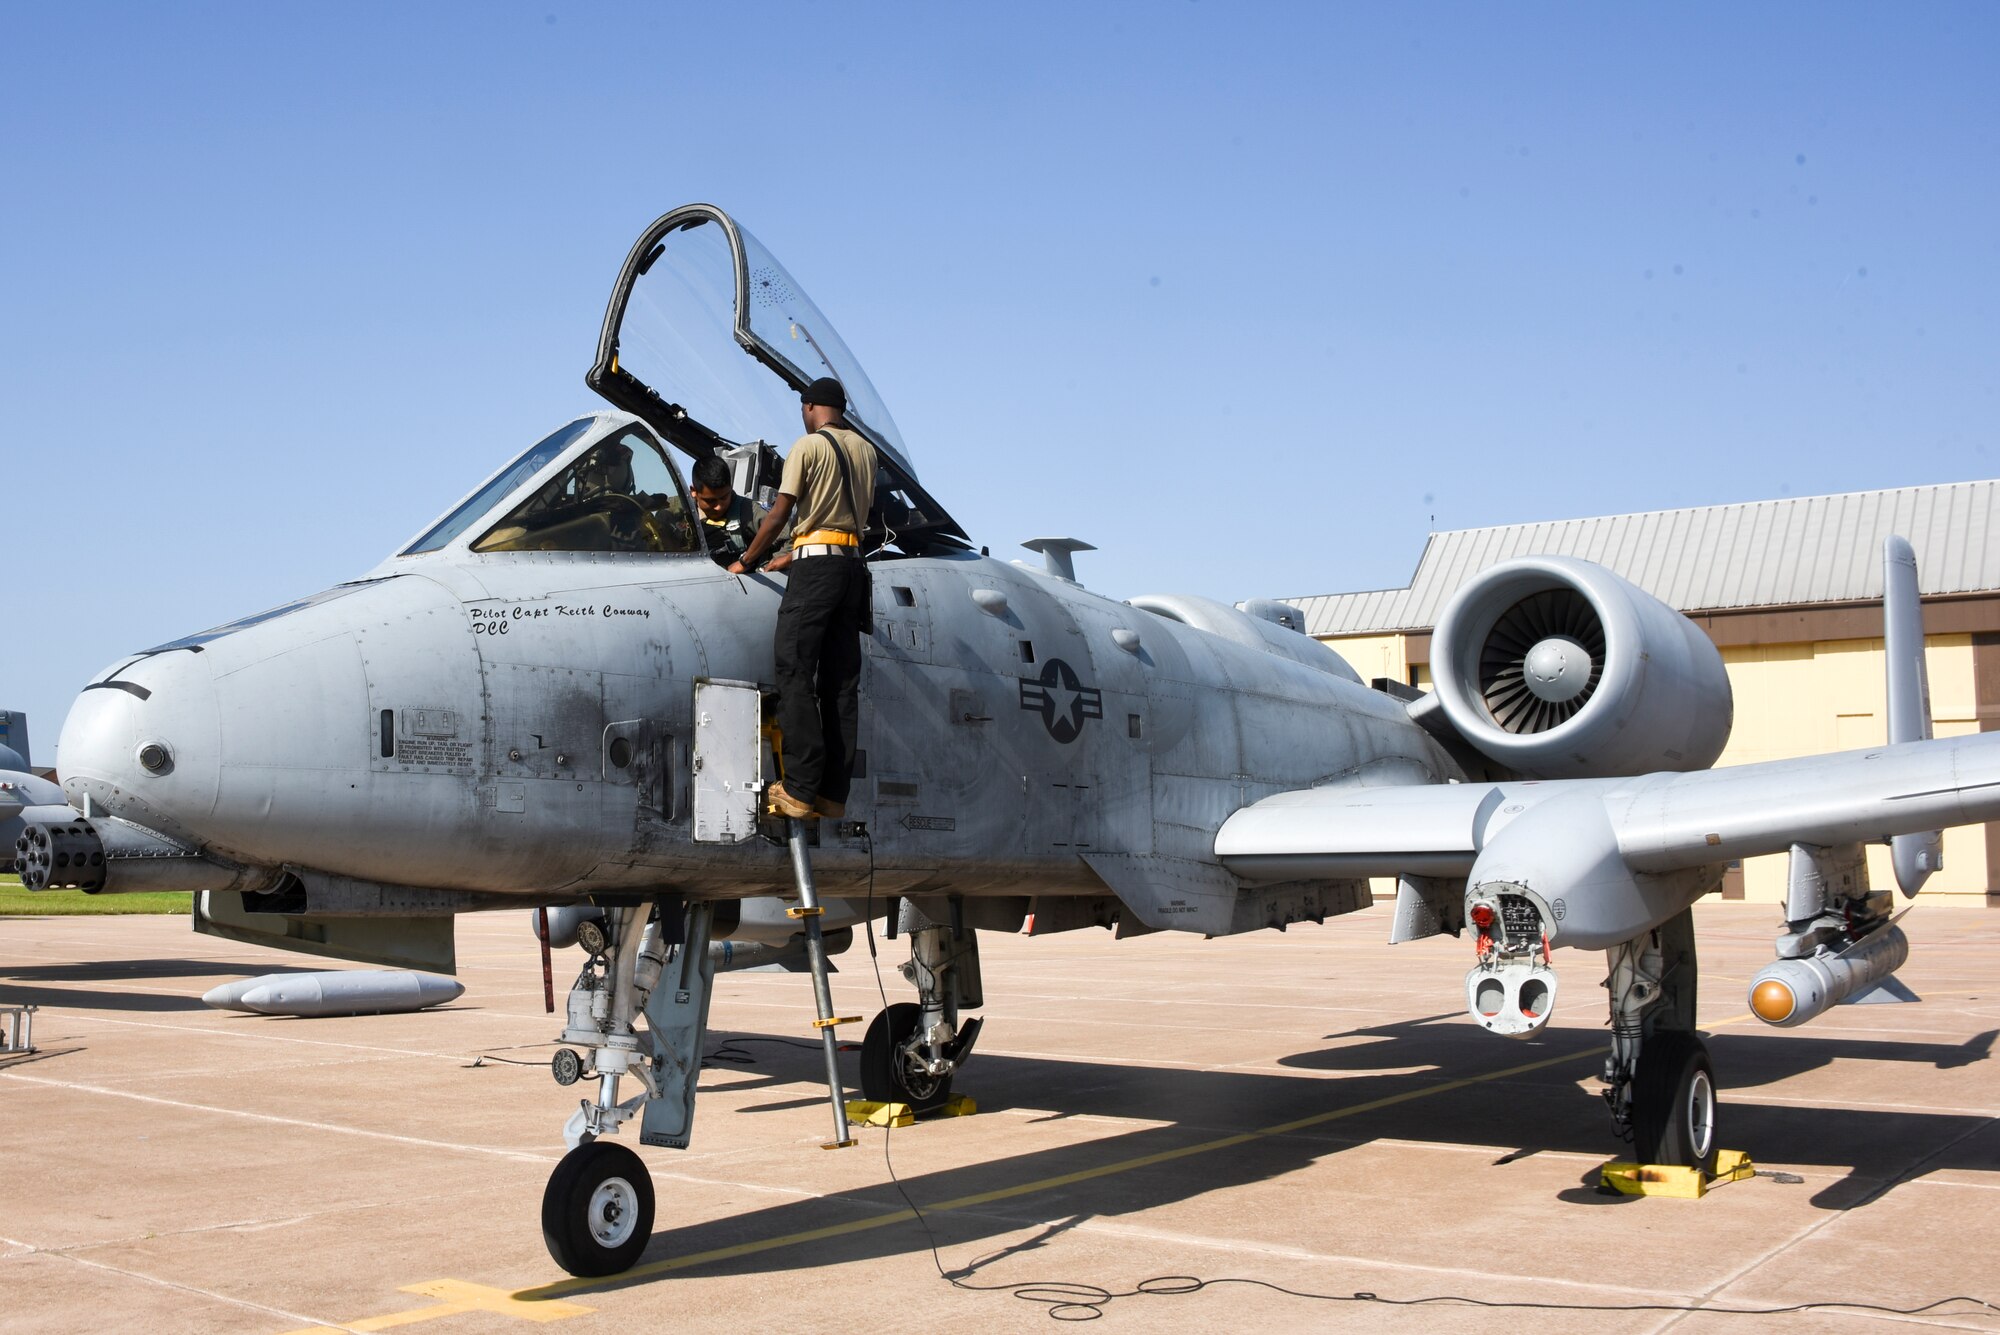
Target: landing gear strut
1659,1082
913,1049
597,1211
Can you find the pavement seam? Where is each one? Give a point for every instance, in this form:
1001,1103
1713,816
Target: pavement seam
220,1030
196,1290
1886,1185
1778,1101
521,1156
1471,1277
253,1225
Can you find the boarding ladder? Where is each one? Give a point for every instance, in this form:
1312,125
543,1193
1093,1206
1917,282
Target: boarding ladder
731,743
808,914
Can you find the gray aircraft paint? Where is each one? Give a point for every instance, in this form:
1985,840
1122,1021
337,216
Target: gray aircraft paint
987,774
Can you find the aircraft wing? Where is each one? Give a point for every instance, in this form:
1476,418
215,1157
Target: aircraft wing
1660,822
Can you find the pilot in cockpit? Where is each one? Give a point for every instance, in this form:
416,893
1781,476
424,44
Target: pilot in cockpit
597,505
606,470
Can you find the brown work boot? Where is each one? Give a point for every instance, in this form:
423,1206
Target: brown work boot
784,804
829,808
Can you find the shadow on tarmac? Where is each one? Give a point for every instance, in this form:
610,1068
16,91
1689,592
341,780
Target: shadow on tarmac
1546,1109
14,992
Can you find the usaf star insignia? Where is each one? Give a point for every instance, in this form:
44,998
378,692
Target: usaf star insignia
1062,700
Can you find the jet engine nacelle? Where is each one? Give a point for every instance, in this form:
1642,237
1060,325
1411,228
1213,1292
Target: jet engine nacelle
1558,669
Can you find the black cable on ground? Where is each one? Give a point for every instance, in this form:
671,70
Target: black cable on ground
1070,1301
729,1052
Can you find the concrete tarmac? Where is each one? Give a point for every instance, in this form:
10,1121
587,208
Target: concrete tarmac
1308,1111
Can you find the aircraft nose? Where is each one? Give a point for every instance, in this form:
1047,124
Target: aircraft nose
141,742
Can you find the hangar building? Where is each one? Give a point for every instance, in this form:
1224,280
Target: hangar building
1790,591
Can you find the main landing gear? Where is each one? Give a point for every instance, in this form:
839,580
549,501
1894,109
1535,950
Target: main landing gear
912,1049
1659,1082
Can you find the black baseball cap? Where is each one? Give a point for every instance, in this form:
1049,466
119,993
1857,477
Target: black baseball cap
827,392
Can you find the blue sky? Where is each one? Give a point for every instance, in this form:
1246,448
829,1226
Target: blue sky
1244,294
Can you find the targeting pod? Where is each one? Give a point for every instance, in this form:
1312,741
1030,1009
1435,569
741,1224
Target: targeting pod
1791,992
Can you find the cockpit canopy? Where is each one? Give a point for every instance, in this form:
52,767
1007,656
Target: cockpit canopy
708,340
577,490
620,495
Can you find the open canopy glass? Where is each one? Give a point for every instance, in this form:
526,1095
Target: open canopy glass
710,340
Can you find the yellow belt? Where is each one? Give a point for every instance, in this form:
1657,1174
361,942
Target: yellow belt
826,537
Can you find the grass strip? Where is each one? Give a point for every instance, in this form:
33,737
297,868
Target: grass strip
18,903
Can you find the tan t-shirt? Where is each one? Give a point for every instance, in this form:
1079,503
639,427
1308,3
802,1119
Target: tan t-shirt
812,479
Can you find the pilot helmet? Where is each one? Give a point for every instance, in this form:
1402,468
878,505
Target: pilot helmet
606,469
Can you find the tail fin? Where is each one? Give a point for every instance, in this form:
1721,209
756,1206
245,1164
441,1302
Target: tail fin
14,740
1915,856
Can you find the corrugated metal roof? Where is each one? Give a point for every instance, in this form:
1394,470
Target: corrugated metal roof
1804,549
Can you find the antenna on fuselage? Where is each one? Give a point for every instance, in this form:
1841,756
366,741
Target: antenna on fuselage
1056,554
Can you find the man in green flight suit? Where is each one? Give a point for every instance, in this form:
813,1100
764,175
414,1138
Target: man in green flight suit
729,520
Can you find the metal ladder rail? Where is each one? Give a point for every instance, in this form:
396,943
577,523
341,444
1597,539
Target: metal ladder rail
808,914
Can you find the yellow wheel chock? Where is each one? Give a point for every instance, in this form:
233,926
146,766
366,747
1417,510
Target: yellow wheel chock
1636,1179
870,1113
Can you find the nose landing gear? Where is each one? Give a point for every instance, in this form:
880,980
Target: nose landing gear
597,1213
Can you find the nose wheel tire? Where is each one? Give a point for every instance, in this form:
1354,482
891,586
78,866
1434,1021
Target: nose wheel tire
597,1213
886,1076
1673,1102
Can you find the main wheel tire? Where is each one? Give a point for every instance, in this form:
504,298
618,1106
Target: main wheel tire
597,1213
1673,1102
885,1076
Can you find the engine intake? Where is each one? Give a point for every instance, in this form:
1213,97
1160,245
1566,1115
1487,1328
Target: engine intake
1557,668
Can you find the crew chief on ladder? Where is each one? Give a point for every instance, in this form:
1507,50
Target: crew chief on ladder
829,478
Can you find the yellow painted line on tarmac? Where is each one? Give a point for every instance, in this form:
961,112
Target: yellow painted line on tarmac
388,1322
456,1296
480,1298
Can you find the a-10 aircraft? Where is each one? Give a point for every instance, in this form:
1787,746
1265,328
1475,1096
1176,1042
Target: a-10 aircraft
550,697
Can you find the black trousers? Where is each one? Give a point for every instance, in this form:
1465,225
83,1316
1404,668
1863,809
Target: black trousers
820,624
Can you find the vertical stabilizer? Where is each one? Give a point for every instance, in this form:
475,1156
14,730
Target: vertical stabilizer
14,739
1915,856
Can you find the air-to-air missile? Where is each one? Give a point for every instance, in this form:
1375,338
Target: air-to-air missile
336,992
1791,992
